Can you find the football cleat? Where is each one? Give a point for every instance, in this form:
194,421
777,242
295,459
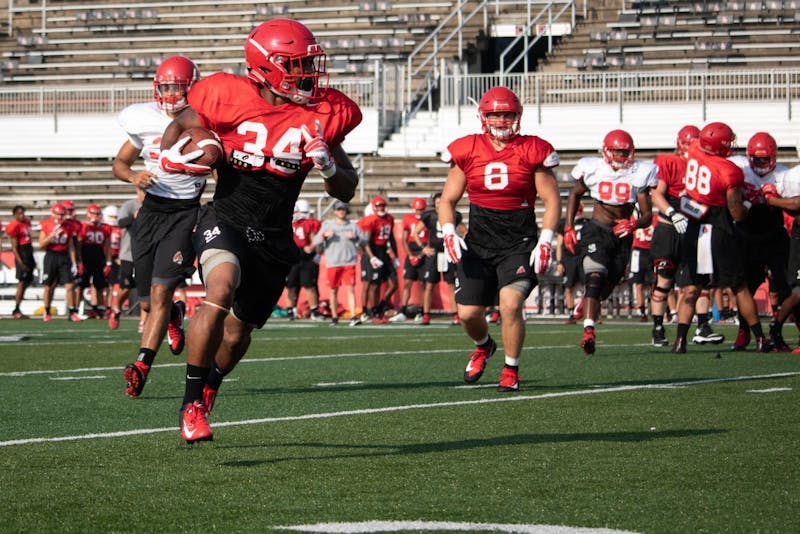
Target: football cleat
494,317
194,423
763,344
578,313
659,337
176,337
317,316
679,347
776,338
426,319
135,378
74,317
588,340
47,317
113,320
509,380
643,319
209,397
477,361
398,318
456,319
704,335
355,321
19,315
742,340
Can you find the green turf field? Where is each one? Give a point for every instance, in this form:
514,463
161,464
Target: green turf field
338,427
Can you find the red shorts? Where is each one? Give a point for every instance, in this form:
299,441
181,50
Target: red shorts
341,276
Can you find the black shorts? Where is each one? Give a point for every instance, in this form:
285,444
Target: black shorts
262,280
479,279
381,274
126,280
305,273
411,272
641,266
161,241
767,253
431,273
572,270
665,248
26,253
94,260
599,243
57,268
726,251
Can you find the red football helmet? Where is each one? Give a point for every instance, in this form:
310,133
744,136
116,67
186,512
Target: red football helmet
618,149
57,209
686,135
284,55
419,204
93,213
762,151
717,138
173,79
378,206
500,99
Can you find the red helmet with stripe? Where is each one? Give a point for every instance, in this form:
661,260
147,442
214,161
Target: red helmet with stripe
618,149
762,152
500,100
718,139
174,77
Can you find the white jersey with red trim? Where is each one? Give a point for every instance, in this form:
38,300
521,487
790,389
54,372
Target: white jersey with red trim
145,124
615,187
788,182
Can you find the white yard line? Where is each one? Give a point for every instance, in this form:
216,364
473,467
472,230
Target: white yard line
401,408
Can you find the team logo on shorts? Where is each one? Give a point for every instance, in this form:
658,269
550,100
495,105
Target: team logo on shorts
177,258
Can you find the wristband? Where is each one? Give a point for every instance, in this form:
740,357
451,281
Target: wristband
670,211
546,236
448,228
108,263
329,172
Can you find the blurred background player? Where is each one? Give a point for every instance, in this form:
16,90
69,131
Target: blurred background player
126,217
378,260
568,264
641,267
60,259
618,183
712,248
412,272
305,272
435,266
18,231
163,253
111,218
340,239
74,228
244,266
95,243
502,172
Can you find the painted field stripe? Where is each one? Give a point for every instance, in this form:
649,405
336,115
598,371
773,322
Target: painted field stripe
93,377
299,358
334,384
769,390
402,408
434,526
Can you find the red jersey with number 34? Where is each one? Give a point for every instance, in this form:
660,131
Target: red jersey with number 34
304,231
709,177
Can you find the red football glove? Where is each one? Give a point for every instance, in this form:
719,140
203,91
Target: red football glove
107,270
81,269
415,260
753,196
376,262
769,191
542,252
624,227
571,239
173,161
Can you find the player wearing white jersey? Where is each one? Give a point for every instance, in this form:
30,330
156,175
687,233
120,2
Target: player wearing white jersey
163,254
765,242
618,183
782,190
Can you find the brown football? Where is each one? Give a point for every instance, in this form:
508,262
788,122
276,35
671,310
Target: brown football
208,142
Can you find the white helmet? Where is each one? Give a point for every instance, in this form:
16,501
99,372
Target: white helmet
110,214
302,206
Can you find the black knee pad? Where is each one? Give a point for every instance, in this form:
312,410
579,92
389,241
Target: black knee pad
595,282
659,294
666,269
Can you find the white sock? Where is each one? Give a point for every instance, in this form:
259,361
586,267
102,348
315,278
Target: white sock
482,341
588,323
513,362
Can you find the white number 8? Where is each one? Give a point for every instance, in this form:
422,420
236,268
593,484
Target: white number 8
698,177
495,176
